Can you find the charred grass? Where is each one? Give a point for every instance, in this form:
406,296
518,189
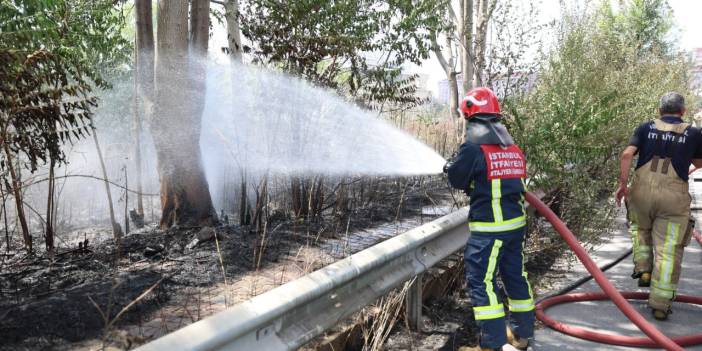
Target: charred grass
155,281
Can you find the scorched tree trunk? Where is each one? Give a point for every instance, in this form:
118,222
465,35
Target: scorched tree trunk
176,125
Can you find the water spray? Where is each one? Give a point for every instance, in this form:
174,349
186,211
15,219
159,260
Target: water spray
272,122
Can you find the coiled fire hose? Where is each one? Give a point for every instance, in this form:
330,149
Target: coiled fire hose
657,339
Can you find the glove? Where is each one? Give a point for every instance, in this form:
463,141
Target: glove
447,165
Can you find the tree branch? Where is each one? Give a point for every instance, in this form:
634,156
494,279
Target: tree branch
89,177
455,20
439,55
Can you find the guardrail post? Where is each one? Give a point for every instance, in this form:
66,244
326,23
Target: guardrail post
414,303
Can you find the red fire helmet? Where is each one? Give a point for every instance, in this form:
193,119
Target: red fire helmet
479,100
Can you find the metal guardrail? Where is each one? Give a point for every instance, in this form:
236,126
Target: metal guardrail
290,315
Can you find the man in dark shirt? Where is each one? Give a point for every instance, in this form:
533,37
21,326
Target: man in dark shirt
658,199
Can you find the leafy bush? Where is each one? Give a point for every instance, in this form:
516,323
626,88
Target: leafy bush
596,86
355,47
53,54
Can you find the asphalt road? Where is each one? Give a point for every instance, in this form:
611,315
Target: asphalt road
604,316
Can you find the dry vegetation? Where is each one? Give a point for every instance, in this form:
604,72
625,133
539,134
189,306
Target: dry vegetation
91,291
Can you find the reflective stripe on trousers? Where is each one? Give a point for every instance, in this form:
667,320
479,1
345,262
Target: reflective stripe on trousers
486,254
495,308
663,287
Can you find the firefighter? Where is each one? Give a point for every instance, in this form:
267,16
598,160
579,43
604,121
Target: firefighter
491,169
658,201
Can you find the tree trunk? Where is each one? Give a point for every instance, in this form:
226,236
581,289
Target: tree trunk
17,191
4,217
200,26
137,153
299,191
145,85
453,94
176,126
261,202
317,198
449,68
145,48
452,82
484,11
231,14
116,229
126,200
466,35
244,206
49,235
145,31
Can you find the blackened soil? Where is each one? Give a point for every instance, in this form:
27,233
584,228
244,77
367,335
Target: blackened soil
448,325
52,302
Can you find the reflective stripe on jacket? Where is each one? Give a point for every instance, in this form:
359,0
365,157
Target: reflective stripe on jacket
496,205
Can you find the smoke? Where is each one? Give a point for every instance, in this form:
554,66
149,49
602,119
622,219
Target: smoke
255,122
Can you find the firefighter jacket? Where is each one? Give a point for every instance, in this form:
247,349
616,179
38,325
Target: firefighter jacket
493,176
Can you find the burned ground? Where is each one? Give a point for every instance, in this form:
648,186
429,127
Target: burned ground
60,301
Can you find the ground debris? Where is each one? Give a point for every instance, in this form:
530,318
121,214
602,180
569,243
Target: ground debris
204,235
151,251
74,313
448,325
57,302
63,301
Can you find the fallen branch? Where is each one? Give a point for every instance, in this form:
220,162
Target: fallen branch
110,323
134,302
89,177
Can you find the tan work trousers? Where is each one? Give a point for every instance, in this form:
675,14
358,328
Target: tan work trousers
659,215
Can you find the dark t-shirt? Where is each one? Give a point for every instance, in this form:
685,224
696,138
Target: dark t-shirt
681,148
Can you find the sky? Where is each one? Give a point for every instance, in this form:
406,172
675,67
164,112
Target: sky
687,17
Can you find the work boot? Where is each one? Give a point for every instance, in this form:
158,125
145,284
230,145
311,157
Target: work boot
661,315
516,341
645,280
643,277
475,348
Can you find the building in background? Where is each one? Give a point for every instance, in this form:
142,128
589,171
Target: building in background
522,81
696,74
422,82
443,89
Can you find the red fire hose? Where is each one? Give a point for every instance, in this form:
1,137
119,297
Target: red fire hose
610,292
697,236
611,338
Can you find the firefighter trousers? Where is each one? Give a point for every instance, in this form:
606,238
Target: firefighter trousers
660,227
485,255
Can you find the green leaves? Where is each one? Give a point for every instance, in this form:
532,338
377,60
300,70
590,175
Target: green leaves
53,55
330,43
644,22
596,87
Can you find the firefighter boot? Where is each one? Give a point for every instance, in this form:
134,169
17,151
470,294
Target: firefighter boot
661,315
645,280
516,341
475,348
